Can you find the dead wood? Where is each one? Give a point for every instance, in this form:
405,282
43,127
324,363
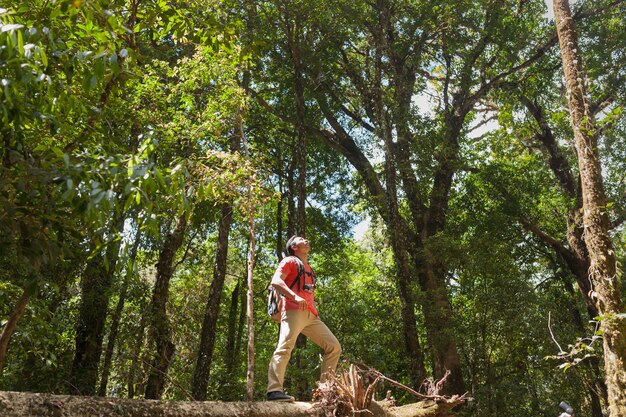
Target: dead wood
23,404
351,393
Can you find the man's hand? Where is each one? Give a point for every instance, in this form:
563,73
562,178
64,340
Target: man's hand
302,304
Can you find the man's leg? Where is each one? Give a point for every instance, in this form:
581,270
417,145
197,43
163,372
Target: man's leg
290,327
321,335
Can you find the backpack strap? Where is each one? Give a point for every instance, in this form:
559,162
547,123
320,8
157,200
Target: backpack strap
300,272
298,276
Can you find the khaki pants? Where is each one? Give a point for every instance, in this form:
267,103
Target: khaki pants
294,322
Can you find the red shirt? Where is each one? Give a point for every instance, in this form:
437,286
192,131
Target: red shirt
289,266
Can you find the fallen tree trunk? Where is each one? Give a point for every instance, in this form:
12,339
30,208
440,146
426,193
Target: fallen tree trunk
23,404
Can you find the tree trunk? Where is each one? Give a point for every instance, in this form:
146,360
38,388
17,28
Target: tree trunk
384,118
145,360
301,145
346,145
437,307
603,268
411,340
291,201
279,221
243,300
403,87
159,322
250,209
94,304
292,27
20,404
576,256
403,270
438,319
11,324
229,352
209,325
115,320
229,355
250,373
135,363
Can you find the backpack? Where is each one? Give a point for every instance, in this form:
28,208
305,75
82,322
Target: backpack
274,299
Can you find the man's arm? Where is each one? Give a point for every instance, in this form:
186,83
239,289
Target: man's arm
278,282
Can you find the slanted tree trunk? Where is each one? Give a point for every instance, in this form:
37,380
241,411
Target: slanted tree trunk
159,322
11,324
603,267
345,144
93,311
209,324
575,254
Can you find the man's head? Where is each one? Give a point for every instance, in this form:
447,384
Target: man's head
296,244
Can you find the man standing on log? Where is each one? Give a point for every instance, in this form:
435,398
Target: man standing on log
295,281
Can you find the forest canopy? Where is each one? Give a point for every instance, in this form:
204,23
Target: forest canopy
458,167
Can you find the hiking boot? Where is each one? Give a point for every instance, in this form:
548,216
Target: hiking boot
279,396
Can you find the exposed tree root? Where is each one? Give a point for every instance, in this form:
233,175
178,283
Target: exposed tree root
351,393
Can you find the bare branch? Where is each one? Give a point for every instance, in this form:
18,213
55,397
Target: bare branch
561,351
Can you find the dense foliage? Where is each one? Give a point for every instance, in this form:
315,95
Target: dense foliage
442,126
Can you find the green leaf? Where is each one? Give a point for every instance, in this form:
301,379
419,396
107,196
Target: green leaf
44,57
20,41
99,68
58,152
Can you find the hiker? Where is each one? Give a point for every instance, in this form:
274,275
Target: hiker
295,281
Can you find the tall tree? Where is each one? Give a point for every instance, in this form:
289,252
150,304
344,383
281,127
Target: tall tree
95,295
209,324
574,252
293,27
603,266
386,67
160,329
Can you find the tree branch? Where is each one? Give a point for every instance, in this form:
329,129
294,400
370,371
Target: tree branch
557,161
545,237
